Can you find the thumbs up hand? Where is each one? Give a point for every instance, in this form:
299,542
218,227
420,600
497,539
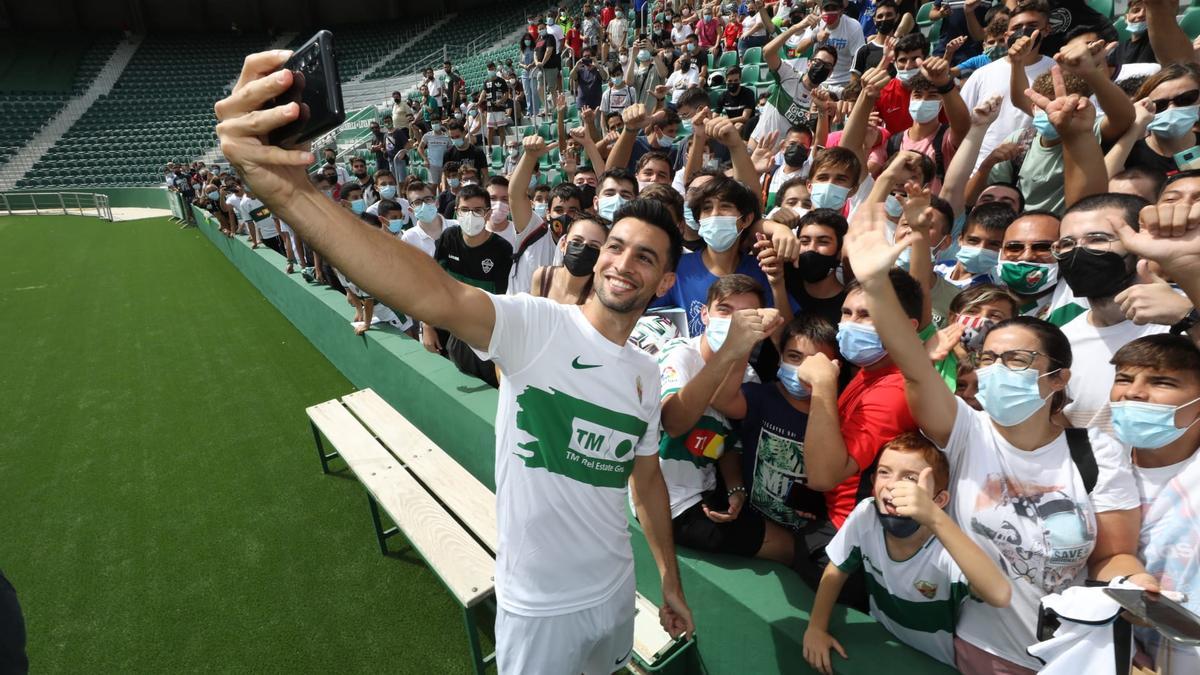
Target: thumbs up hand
915,500
1152,300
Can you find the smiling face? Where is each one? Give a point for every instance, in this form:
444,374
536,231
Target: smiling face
819,238
895,467
632,269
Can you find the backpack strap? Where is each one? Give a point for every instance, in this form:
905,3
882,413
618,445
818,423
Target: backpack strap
1081,454
893,142
939,159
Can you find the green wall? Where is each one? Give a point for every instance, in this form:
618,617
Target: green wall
750,615
144,197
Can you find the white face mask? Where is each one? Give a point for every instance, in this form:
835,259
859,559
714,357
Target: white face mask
470,223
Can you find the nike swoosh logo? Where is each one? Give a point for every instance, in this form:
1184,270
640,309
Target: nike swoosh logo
582,366
623,659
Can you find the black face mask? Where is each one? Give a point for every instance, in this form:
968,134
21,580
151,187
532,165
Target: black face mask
886,26
795,155
587,194
1095,276
819,71
694,245
559,225
580,259
734,86
898,526
816,266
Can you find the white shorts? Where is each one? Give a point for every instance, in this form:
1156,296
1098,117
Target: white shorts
497,118
594,641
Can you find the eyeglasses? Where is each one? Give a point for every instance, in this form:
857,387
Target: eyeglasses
1038,247
1181,101
423,200
1013,359
1096,243
481,211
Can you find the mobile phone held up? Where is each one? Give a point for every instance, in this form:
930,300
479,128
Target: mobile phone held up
1168,617
316,88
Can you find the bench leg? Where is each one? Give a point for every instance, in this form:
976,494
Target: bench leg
321,449
380,534
479,661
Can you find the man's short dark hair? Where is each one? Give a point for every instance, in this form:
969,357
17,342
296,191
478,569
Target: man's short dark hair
620,174
498,180
831,218
1160,352
655,213
908,290
387,206
669,117
912,42
1157,178
692,97
454,125
472,191
994,217
730,285
810,325
828,50
727,190
1129,205
656,156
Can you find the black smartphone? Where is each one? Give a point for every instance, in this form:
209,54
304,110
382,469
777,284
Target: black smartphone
1166,616
316,87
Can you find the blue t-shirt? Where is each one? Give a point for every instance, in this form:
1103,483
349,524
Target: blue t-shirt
693,279
772,438
954,25
972,64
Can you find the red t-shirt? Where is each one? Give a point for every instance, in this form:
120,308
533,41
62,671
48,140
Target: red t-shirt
607,14
892,107
872,411
575,42
733,30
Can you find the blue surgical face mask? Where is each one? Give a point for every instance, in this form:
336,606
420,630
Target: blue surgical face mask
859,343
609,205
719,232
1147,426
1043,126
454,182
977,260
906,76
214,195
425,213
718,329
643,56
1135,27
687,127
1009,396
1174,122
358,206
924,110
541,208
395,225
690,218
387,191
459,143
791,382
893,207
829,195
666,142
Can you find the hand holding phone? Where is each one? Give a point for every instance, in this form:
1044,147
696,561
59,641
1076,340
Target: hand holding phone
316,88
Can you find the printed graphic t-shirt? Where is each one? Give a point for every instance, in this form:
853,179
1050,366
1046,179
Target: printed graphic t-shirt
772,440
574,410
1030,511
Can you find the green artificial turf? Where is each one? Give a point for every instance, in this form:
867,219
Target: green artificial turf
162,508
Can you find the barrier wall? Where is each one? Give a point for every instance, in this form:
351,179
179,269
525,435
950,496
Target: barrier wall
750,615
143,197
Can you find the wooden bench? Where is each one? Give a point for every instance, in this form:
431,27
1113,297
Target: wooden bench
451,503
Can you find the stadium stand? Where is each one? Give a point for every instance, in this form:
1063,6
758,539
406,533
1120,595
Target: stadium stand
33,91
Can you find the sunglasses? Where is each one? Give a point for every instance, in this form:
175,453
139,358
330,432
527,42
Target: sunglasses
1183,100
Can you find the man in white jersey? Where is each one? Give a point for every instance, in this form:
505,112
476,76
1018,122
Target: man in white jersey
578,414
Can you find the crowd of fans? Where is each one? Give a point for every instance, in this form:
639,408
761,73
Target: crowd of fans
932,342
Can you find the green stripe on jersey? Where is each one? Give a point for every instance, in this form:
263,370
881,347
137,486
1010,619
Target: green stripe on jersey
928,616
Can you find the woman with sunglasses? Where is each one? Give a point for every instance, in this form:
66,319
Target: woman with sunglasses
1016,489
1173,95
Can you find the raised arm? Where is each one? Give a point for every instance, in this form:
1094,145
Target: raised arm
937,71
724,132
1169,234
695,154
771,51
872,257
401,276
1017,80
855,133
1075,118
959,171
533,147
1088,62
1167,39
634,119
1114,159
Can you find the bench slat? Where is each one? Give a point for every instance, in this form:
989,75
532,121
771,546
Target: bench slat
462,493
462,564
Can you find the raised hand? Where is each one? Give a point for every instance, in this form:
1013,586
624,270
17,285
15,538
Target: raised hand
817,370
276,174
748,328
1169,234
1069,113
763,155
1005,152
986,112
1023,46
1082,58
1152,300
699,128
870,253
915,500
635,117
936,70
1143,115
768,260
875,79
954,45
944,341
534,146
560,101
721,129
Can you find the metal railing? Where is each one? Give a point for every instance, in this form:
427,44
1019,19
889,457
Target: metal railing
55,203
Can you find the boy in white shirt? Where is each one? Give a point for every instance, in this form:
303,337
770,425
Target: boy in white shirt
919,564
